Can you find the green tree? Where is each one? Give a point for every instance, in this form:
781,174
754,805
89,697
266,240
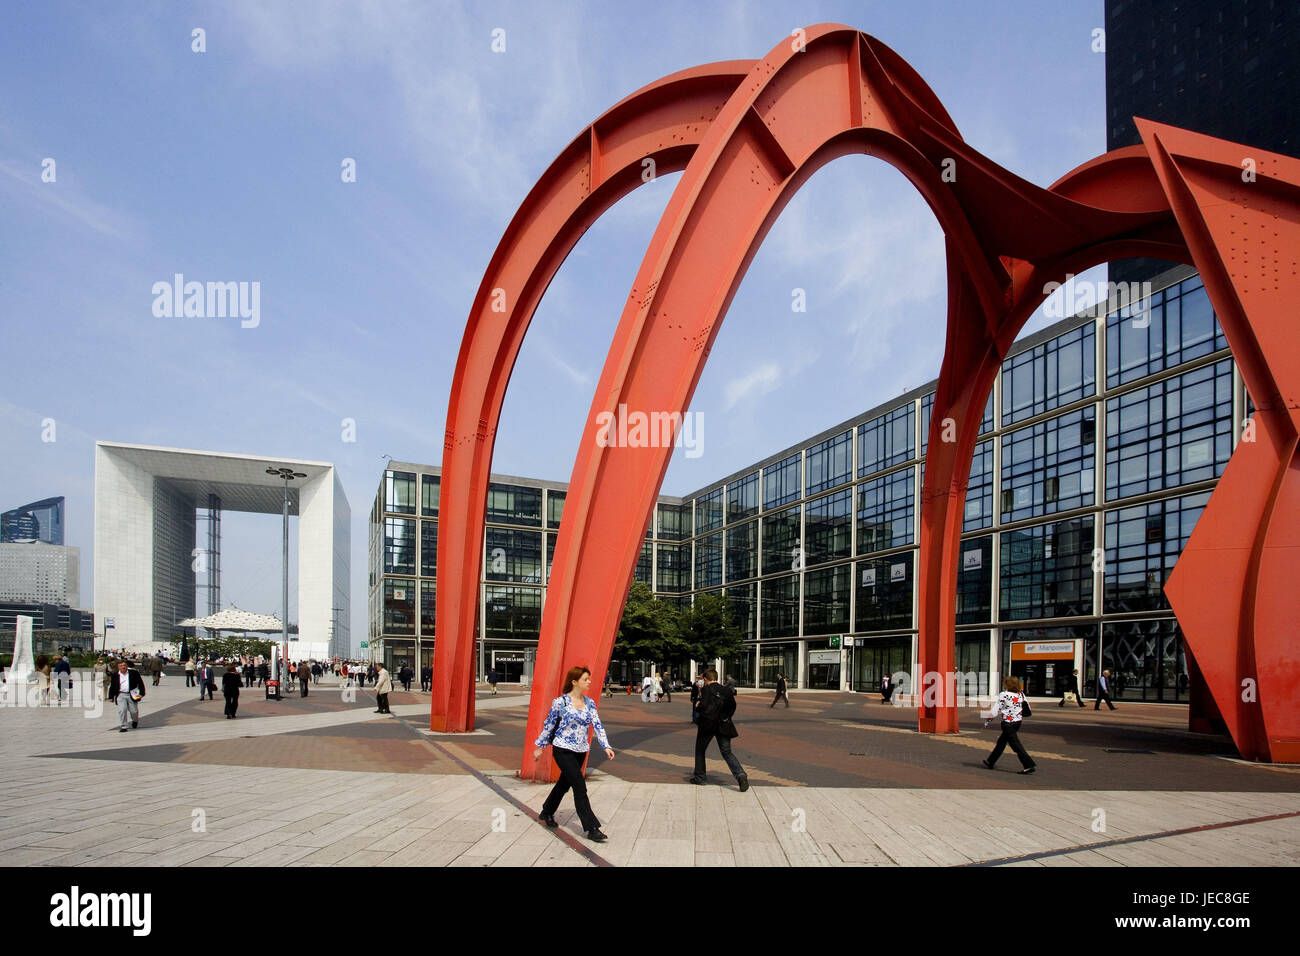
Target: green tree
709,629
650,629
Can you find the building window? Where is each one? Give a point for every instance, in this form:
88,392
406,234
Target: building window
399,492
674,568
399,545
1142,545
927,409
554,508
885,511
512,504
429,549
828,463
781,548
644,564
884,592
513,556
674,522
1170,433
708,511
781,606
550,553
742,498
399,606
1047,570
1049,466
781,483
512,613
1147,660
887,441
979,490
744,608
430,490
826,600
829,527
708,561
428,607
742,551
1056,373
975,581
1173,326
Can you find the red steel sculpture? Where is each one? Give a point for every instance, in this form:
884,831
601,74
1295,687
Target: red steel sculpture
748,134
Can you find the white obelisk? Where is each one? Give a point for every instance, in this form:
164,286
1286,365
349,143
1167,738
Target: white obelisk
20,671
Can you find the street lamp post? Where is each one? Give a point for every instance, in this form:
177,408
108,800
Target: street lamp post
288,475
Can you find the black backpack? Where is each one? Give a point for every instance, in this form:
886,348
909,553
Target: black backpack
712,703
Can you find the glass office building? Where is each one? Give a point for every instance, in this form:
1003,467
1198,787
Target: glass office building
523,518
38,521
1100,444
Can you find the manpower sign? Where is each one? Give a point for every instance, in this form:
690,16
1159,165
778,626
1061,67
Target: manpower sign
748,134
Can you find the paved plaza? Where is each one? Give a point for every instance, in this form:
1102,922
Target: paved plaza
838,779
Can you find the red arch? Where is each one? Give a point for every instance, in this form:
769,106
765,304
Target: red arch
794,111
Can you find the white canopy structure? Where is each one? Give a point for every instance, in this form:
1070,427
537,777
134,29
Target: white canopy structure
233,619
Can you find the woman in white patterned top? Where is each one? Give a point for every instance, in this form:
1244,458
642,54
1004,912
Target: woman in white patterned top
572,716
1009,706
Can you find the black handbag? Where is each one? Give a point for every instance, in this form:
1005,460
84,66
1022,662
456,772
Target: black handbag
1025,710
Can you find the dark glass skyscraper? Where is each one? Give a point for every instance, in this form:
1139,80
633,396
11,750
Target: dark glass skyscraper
1229,69
38,521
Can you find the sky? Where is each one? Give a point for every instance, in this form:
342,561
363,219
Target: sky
227,165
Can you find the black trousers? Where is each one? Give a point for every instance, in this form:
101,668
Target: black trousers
1102,695
1011,737
702,740
570,764
382,700
232,704
303,685
780,695
189,678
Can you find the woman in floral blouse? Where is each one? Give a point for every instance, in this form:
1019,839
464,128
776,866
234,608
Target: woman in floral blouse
1009,707
572,715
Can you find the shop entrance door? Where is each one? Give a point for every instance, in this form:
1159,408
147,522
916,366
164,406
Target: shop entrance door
510,668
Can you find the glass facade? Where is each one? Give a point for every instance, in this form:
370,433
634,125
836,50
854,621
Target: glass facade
822,544
1171,433
1056,373
887,441
1048,467
828,464
886,507
781,483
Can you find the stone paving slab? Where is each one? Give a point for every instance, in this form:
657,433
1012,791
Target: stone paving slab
326,782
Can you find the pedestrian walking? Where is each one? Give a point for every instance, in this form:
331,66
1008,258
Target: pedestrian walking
781,691
304,678
189,672
407,675
1071,692
426,678
63,675
1011,707
126,690
156,668
207,680
647,689
493,678
230,684
383,687
887,688
43,678
263,673
566,729
1103,691
101,678
316,671
717,705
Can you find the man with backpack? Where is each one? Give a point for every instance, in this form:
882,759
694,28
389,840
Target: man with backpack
717,705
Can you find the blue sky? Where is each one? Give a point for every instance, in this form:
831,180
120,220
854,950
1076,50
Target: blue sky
225,166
